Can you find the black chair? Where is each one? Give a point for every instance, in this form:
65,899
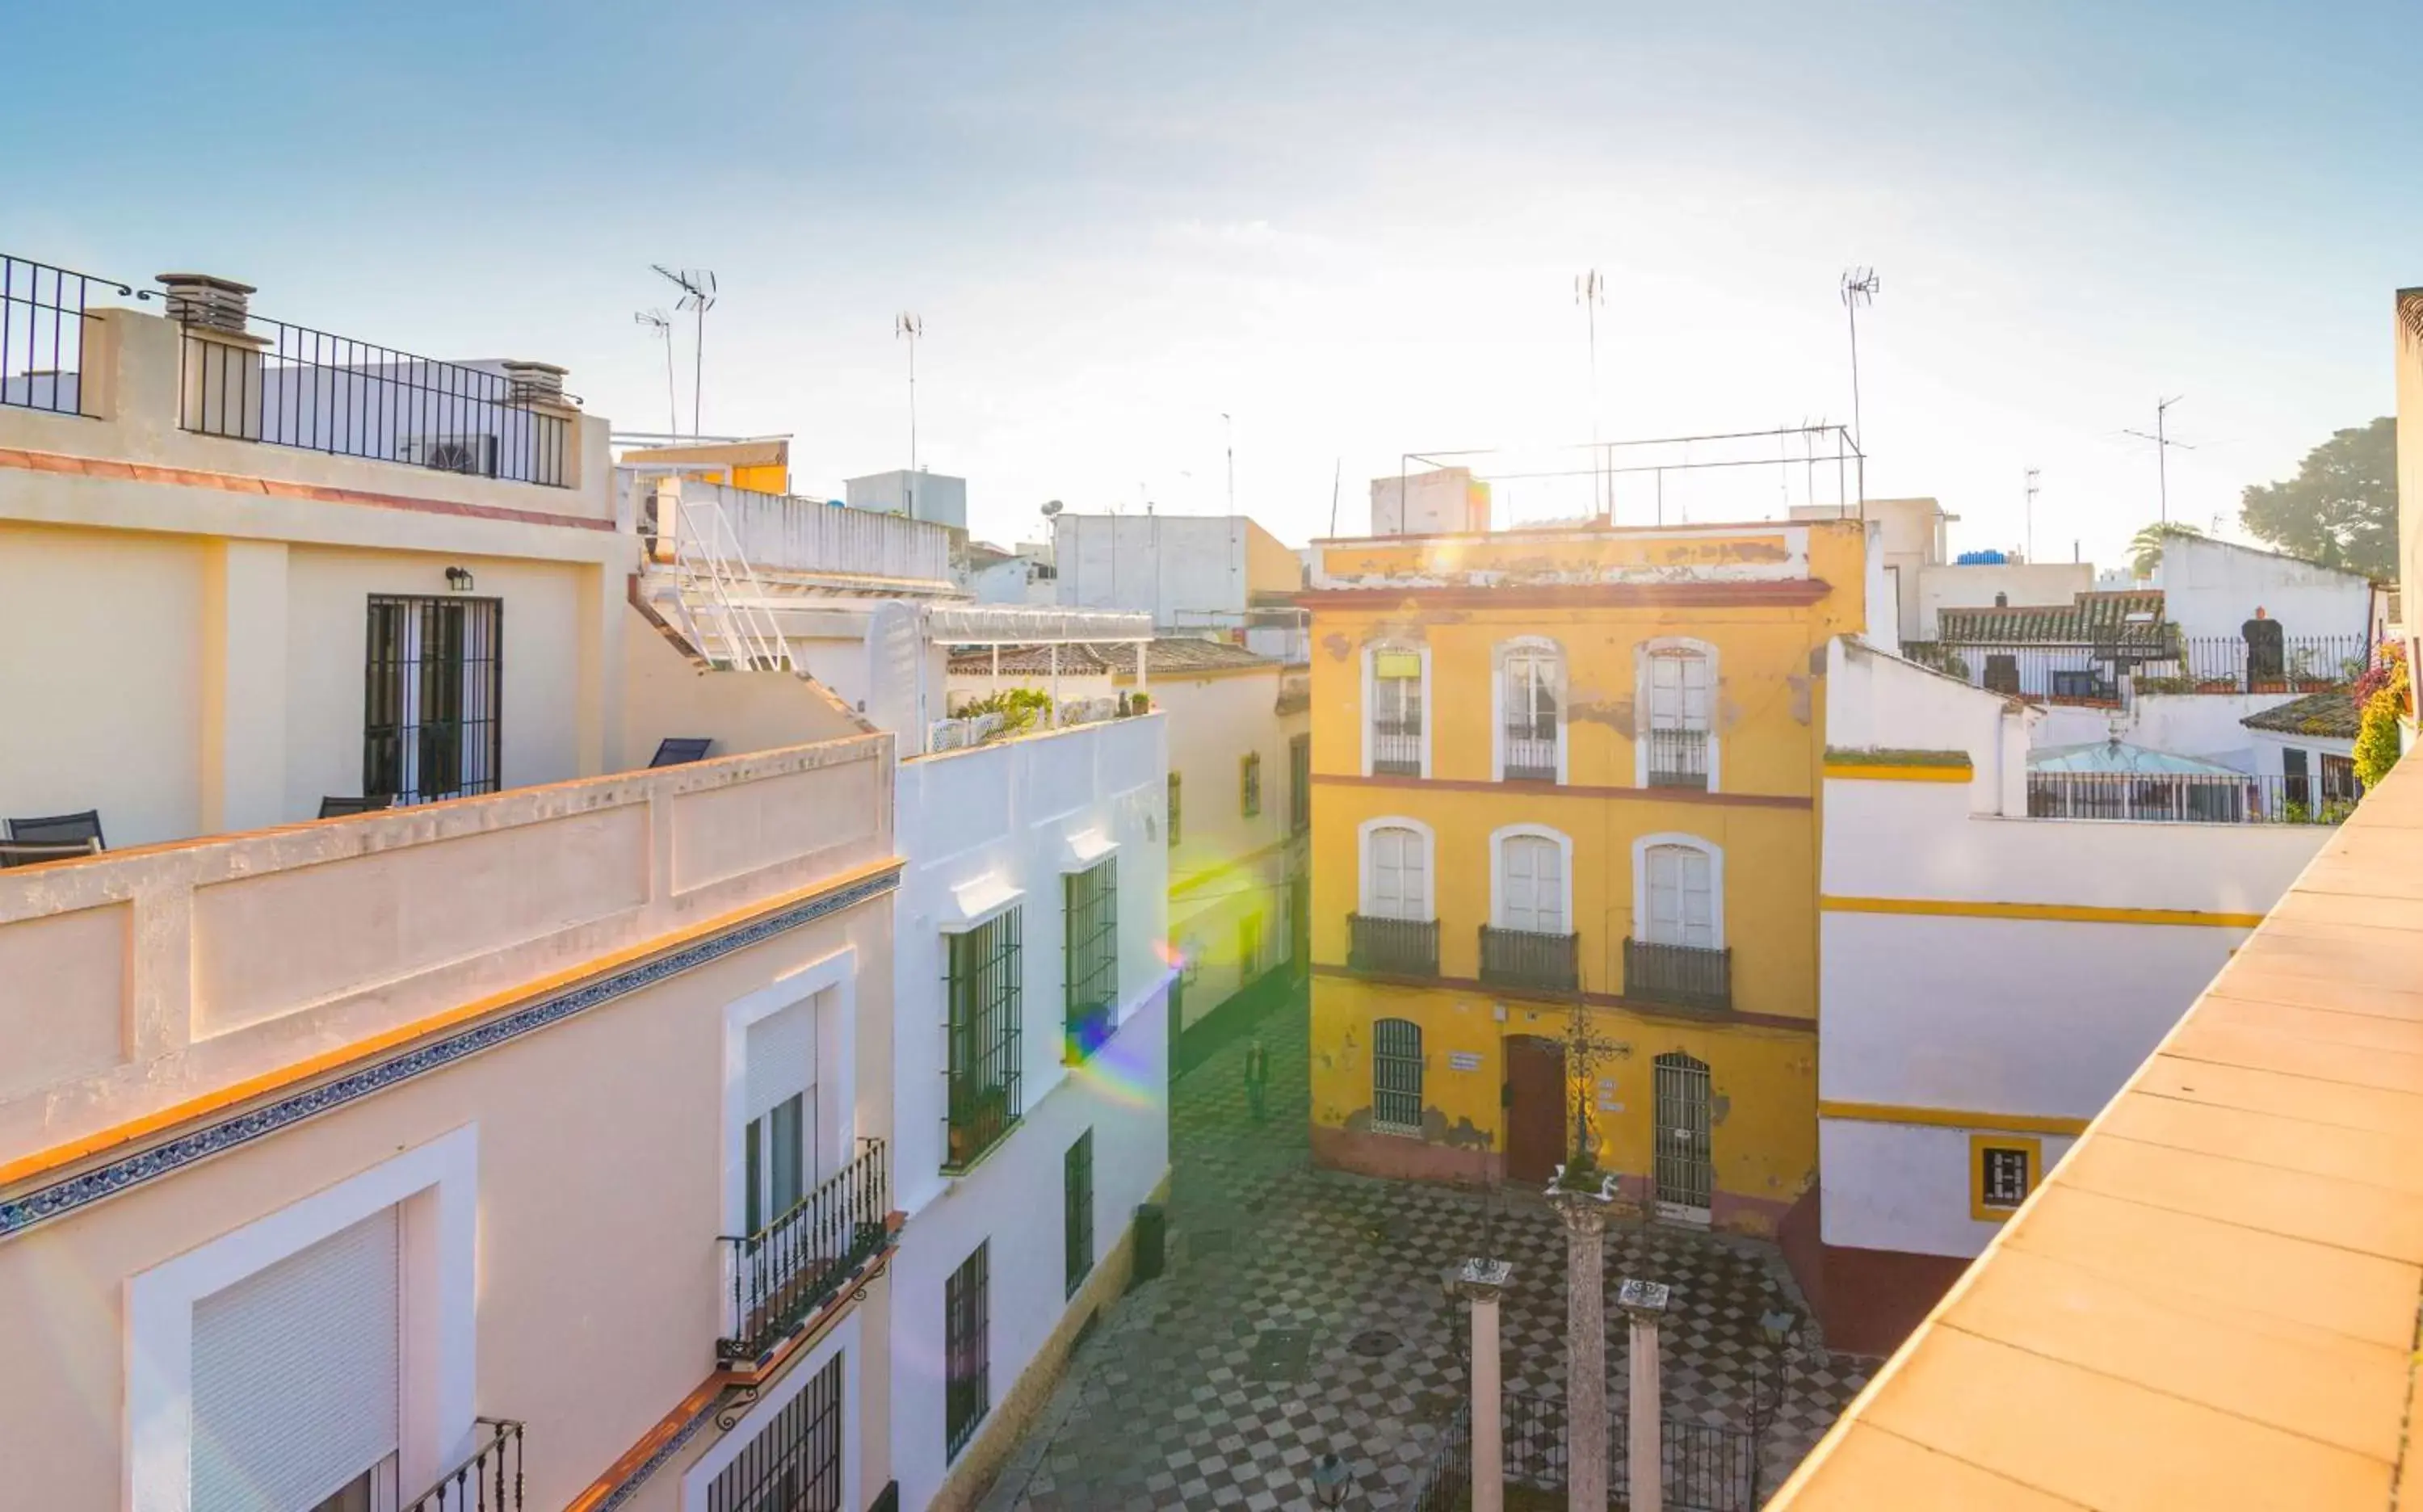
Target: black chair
34,853
680,749
339,807
64,829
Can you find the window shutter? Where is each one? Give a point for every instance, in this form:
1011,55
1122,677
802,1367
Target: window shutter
1665,895
1698,900
295,1372
1535,885
782,1057
1387,874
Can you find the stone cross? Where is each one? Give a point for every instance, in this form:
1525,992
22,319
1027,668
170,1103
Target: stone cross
1481,1282
1645,1305
1584,1212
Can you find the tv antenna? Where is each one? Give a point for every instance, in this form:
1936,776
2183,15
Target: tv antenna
1590,292
660,323
2163,444
1859,286
698,297
2032,513
1229,434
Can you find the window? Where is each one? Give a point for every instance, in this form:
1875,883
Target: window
1395,713
1174,811
1077,1212
1530,700
1682,903
2002,671
778,1141
1249,785
1396,1075
2295,776
2338,779
1532,885
1299,784
984,988
967,1376
1090,956
2002,1171
1676,951
1249,948
1396,871
1679,696
793,1464
1528,942
774,1159
431,698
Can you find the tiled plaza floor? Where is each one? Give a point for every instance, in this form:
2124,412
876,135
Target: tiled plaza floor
1221,1383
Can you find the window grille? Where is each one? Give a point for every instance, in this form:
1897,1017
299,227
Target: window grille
1397,714
1249,785
1090,955
1077,1211
433,693
984,1044
1175,811
1299,784
967,1378
2005,1173
1396,1075
793,1464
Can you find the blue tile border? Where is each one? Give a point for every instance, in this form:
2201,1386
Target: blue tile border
60,1197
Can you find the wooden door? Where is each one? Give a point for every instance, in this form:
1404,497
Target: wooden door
1535,1108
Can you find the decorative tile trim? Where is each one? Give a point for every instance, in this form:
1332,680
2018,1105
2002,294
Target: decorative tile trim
60,1197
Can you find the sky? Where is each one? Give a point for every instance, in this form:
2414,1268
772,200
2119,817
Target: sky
1352,229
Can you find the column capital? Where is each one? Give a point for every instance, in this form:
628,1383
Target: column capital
1483,1280
1643,1301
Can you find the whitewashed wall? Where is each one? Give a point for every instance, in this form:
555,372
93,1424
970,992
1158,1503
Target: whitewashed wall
1911,1187
1946,585
1160,565
2199,725
2211,588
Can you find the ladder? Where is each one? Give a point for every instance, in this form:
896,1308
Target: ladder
723,604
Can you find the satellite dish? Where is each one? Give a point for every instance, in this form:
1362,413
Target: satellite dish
1052,508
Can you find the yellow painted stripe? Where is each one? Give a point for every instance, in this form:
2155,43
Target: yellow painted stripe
1899,773
1950,1118
2056,913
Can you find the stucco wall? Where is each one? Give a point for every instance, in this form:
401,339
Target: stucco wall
2199,724
1157,565
666,695
1905,1189
2211,588
1947,586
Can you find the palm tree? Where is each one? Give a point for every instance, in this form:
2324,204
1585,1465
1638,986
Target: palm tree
2145,547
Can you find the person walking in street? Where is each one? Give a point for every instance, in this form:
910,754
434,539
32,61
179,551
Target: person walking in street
1258,1075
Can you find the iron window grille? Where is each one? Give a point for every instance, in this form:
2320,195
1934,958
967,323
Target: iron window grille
45,320
2005,1178
1392,947
784,1272
983,1073
1249,785
1077,1212
1396,1075
1176,810
1530,718
1299,784
1090,956
1397,743
1686,975
793,1464
1678,759
1526,958
433,697
967,1375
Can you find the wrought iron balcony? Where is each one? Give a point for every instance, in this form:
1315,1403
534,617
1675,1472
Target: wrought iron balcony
1532,751
1686,975
786,1271
1678,759
1526,958
1392,947
489,1481
1396,745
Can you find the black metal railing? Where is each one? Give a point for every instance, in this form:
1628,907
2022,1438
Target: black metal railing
1392,947
2231,664
2091,673
784,1272
1526,958
983,1073
1532,751
45,317
1686,975
2193,798
1703,1467
293,385
1678,759
489,1481
1396,745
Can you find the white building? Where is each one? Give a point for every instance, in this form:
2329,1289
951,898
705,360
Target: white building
2308,745
1987,979
1190,572
1439,501
2211,587
936,497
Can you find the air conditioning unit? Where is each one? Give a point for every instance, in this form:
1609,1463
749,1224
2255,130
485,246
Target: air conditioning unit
473,455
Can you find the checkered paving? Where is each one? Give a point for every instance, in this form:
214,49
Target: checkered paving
1177,1401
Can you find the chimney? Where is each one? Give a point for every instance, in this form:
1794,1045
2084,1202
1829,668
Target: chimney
535,383
199,299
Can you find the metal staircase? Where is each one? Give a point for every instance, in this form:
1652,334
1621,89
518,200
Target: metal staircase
720,603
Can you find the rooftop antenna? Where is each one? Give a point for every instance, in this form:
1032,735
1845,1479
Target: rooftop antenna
660,323
910,327
2163,444
2032,513
698,297
1859,286
1336,471
1228,429
1590,292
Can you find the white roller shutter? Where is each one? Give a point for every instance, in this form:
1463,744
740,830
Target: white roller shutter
296,1374
782,1057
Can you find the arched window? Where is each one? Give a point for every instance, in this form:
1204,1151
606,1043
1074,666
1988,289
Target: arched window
1680,906
1678,684
1532,885
1396,871
1676,952
1530,698
1396,1075
1394,733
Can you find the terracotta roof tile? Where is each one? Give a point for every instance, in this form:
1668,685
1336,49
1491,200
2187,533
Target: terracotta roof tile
2093,618
2331,712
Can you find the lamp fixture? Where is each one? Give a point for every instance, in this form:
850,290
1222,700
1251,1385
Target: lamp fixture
1330,1477
458,580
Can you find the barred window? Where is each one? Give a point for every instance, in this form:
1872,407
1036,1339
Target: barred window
1299,784
1077,1211
1396,1075
1249,784
1174,811
984,994
1090,955
794,1461
967,1378
432,693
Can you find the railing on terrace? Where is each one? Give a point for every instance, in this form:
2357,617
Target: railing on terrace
1396,745
489,1481
781,532
1532,751
2193,798
1678,759
972,730
1705,1467
2092,674
1526,958
293,385
1392,947
1686,975
45,316
784,1272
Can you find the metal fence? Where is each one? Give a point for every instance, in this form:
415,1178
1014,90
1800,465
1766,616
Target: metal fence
1392,947
1397,745
794,1264
45,318
1678,759
1526,958
293,385
489,1481
1686,975
1532,751
2093,674
1705,1467
2195,798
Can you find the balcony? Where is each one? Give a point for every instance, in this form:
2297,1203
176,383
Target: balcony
1392,947
2182,797
1527,960
489,1481
1396,746
1678,759
1684,975
784,1273
1530,752
685,519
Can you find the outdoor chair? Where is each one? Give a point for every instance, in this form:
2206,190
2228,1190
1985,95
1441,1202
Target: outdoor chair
680,749
82,831
34,853
339,807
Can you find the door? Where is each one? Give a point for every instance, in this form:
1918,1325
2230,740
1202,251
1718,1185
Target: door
2296,773
1685,1174
1535,1108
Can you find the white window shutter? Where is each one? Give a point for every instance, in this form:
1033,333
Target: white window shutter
782,1057
295,1372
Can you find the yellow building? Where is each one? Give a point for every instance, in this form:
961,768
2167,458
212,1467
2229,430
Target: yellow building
1567,765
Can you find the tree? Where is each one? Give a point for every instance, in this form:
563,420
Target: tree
2145,547
2341,509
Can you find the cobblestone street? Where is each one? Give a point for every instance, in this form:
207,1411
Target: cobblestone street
1303,1313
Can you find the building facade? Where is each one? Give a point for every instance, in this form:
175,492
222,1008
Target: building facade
1574,767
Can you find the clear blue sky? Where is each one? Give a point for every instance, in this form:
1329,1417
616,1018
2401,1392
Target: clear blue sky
1353,227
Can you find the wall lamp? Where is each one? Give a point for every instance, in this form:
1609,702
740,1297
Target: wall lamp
458,580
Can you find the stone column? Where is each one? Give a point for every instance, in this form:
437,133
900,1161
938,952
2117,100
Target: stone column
1644,1304
1480,1283
1585,1217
